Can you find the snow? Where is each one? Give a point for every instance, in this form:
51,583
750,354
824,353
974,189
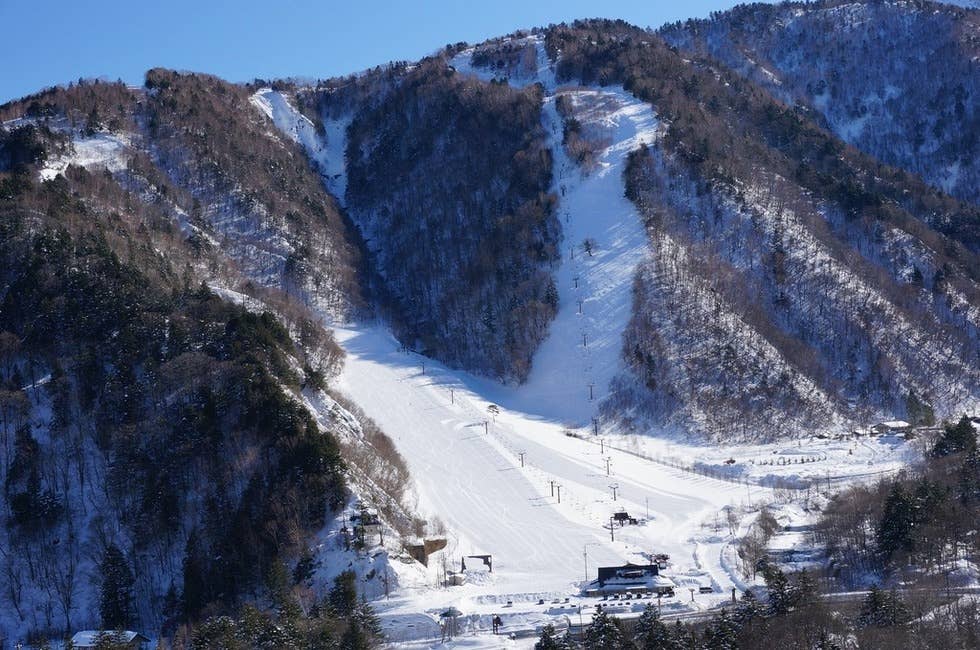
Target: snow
544,73
952,177
494,478
101,150
595,291
470,475
897,424
238,298
326,153
90,638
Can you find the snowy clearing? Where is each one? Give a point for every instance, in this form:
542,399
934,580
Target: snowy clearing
102,150
468,469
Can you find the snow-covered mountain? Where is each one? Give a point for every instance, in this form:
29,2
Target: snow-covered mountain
898,80
592,227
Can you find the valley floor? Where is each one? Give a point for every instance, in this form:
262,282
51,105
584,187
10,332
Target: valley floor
470,475
467,466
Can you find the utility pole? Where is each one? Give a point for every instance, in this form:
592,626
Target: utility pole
602,445
607,465
452,396
552,488
647,499
585,344
486,427
559,492
614,487
595,426
521,454
612,528
580,306
585,555
591,395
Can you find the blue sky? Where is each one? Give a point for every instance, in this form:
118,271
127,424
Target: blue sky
54,42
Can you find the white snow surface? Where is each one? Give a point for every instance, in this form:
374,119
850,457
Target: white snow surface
470,475
101,150
327,153
583,348
584,345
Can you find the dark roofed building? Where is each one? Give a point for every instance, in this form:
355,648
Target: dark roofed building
631,578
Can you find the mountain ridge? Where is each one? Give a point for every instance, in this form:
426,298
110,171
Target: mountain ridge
785,283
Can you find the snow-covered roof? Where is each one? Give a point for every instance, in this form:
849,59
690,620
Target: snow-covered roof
896,424
90,638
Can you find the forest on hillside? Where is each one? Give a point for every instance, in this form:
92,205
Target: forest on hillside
449,180
817,259
905,92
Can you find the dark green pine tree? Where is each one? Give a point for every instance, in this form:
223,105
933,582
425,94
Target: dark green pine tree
968,487
342,598
603,634
116,596
368,620
651,633
780,593
355,637
552,640
722,634
958,438
882,609
195,594
804,589
363,629
894,531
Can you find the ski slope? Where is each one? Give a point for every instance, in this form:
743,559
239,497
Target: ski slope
575,364
470,475
528,482
495,480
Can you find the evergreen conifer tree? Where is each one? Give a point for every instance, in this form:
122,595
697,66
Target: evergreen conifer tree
957,438
116,595
894,531
603,633
552,640
651,633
